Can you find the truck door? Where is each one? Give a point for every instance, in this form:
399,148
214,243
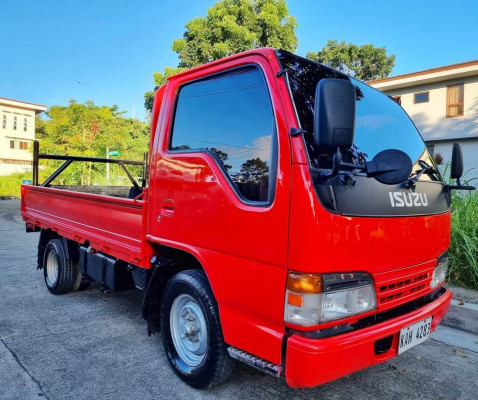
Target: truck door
220,186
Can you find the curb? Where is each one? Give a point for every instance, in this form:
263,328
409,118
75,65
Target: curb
462,316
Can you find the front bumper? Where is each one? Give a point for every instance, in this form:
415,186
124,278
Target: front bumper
312,362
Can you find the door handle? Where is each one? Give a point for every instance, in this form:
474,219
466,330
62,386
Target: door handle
167,208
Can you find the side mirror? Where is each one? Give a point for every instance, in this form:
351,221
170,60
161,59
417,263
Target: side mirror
334,114
456,162
390,166
456,171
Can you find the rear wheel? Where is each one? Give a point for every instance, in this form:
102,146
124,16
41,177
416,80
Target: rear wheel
191,331
81,282
58,269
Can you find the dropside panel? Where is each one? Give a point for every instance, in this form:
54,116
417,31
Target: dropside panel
111,225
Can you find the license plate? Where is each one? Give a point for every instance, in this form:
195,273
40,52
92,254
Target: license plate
414,334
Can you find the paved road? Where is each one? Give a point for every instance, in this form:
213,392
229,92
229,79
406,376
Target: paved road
88,345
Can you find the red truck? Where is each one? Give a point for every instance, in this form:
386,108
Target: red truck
289,217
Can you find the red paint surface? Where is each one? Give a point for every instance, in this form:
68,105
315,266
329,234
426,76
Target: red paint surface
315,362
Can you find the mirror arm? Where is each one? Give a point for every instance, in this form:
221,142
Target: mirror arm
458,186
336,160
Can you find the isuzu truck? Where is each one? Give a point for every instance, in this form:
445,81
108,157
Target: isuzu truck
289,217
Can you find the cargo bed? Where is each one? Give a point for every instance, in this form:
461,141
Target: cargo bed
113,225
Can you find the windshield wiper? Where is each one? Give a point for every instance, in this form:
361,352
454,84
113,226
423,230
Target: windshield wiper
428,169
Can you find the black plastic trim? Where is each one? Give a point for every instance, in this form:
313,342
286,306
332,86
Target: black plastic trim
369,198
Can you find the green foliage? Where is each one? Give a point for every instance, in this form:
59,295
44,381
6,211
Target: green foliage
464,240
463,253
364,62
159,80
10,184
87,130
231,26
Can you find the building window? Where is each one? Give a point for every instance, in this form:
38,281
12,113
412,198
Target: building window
23,145
454,100
25,124
421,97
397,99
4,122
14,123
230,117
12,144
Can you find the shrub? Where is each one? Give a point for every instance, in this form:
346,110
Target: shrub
463,269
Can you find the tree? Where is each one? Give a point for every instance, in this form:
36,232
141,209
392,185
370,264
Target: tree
87,130
231,26
364,62
159,80
222,157
254,171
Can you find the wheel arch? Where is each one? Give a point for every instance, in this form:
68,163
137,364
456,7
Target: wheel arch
166,262
70,246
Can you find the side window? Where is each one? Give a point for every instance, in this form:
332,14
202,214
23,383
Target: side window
230,115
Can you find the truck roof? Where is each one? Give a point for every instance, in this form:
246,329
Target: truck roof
263,51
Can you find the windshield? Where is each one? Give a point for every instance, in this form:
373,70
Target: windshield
380,122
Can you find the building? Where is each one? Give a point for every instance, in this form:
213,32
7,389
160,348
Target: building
443,104
17,133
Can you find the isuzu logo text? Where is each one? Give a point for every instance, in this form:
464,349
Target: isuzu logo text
402,199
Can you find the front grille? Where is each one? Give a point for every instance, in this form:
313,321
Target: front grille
395,290
413,283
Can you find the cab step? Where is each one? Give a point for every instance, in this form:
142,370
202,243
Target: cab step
256,362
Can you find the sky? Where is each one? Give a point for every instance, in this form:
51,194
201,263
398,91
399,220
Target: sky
52,51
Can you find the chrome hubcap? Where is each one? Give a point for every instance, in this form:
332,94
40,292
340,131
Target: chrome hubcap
51,268
188,330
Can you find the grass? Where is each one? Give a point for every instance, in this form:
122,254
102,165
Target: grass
463,269
10,184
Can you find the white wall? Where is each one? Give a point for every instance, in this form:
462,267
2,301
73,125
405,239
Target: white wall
430,118
19,134
470,157
8,169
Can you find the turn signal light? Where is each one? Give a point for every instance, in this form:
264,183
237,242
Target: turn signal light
304,283
294,299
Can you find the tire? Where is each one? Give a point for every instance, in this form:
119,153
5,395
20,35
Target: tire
58,269
191,331
81,282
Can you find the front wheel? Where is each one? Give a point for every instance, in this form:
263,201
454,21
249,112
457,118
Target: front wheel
191,331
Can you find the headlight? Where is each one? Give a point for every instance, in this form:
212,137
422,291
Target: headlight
344,303
312,299
439,274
